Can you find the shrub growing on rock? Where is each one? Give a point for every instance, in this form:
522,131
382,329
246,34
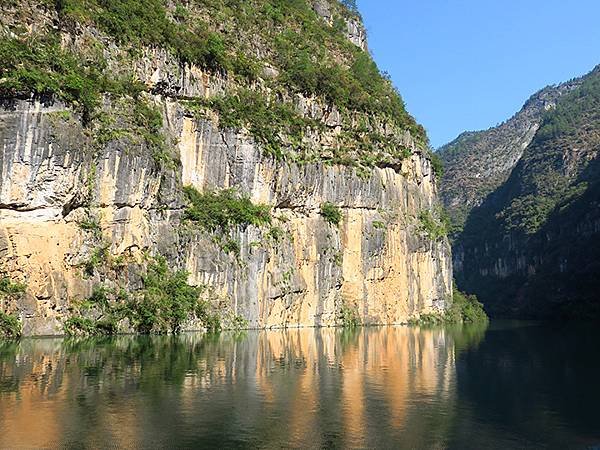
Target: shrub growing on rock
224,210
10,326
331,213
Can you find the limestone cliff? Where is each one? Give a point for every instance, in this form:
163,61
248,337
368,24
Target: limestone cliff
85,195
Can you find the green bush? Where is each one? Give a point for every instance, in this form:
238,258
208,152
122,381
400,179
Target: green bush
349,317
107,308
224,210
276,234
436,165
331,213
434,224
90,224
239,323
231,246
167,300
163,305
465,309
10,326
11,288
429,320
80,326
99,257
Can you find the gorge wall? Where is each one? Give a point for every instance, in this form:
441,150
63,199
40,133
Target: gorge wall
525,198
92,170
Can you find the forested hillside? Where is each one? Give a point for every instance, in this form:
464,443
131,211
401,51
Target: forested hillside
531,248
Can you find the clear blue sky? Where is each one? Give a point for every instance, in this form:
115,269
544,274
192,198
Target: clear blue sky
470,64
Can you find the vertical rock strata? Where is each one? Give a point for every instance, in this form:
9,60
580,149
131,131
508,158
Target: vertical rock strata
378,262
387,273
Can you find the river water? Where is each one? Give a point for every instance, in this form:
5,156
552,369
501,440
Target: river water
510,385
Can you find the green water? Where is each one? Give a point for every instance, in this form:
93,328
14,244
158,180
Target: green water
512,385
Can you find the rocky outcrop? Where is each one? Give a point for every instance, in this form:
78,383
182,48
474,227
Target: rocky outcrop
355,30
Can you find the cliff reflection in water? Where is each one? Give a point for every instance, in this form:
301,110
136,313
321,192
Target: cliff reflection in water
513,385
308,387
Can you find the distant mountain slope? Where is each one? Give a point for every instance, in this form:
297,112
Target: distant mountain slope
532,247
476,163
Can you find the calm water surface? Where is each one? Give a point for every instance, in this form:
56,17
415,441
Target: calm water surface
512,385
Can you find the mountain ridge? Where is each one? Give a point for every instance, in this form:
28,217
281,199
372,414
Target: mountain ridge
493,153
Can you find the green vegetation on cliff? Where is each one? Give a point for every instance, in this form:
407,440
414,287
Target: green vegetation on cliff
331,213
349,317
10,326
273,124
40,66
223,210
314,58
151,23
464,309
437,165
268,52
435,223
9,288
164,304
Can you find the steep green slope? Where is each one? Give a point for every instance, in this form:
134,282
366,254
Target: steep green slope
531,248
477,163
266,51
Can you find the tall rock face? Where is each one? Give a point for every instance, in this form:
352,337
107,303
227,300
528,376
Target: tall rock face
531,247
101,138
